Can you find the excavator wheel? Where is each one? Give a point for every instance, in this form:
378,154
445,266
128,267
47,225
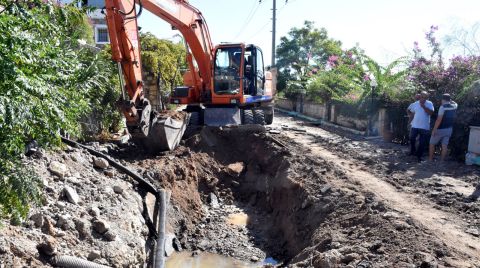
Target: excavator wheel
269,116
247,117
259,117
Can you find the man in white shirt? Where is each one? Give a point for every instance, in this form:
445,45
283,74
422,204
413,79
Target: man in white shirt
421,111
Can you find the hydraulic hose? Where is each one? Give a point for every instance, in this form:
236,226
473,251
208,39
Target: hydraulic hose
74,262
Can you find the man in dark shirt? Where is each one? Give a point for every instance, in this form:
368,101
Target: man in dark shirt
442,130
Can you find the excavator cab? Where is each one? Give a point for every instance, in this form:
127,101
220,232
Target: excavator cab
239,75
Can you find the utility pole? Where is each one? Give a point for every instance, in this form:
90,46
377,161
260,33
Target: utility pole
274,19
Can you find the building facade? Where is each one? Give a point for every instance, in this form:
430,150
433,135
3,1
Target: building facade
97,20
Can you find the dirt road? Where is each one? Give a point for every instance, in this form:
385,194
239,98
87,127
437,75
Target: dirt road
293,195
377,167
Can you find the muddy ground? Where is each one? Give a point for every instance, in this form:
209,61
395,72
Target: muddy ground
303,195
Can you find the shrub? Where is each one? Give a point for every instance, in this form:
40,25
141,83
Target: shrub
47,82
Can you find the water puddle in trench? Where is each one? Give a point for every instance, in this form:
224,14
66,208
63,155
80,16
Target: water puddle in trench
209,260
238,219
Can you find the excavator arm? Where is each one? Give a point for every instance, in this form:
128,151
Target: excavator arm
121,16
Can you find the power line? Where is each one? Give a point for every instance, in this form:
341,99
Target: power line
280,10
249,18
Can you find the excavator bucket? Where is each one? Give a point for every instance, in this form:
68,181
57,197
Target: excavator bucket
165,133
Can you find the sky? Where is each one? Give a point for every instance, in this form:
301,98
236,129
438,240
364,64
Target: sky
385,29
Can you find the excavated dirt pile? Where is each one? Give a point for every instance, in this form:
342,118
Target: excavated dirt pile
239,192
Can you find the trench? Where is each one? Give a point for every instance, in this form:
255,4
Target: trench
238,199
242,197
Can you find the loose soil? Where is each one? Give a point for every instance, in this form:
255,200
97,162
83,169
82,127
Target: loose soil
294,193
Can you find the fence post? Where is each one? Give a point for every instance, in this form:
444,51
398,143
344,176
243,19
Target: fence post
382,121
333,114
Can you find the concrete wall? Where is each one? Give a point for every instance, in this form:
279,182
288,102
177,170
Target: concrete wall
350,122
284,104
315,110
377,125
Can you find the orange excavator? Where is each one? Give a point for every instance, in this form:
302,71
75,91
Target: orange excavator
225,85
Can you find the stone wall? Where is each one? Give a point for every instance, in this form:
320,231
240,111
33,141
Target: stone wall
151,90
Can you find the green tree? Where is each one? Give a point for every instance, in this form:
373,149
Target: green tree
47,84
164,59
342,78
391,80
303,50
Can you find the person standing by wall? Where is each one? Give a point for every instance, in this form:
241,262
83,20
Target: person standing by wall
410,115
442,130
421,112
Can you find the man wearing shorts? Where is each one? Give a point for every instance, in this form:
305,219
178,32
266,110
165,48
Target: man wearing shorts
442,130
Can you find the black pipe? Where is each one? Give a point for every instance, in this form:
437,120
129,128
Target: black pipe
141,181
162,215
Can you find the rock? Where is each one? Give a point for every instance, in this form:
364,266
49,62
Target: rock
328,259
94,211
3,247
61,205
473,231
375,245
213,201
169,249
177,245
37,219
364,264
401,225
102,163
254,259
48,228
83,228
58,168
391,214
110,173
425,260
236,169
325,189
64,222
118,189
110,235
71,195
73,180
101,226
48,246
350,257
93,255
